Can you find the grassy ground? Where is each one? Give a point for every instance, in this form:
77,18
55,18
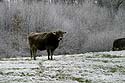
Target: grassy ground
99,67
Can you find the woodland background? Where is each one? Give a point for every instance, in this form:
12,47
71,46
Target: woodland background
91,25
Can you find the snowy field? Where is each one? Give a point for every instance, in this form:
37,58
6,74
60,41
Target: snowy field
98,67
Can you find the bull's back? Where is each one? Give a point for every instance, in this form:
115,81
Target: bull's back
120,42
43,41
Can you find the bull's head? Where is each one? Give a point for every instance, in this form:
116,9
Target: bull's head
59,34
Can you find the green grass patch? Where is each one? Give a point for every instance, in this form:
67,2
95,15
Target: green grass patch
107,56
1,73
113,70
63,76
105,61
81,80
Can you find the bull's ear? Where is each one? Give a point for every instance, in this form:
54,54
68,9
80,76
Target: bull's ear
54,33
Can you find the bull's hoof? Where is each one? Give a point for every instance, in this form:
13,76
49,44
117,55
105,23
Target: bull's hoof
34,58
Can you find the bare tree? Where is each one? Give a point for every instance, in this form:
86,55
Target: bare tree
112,5
117,5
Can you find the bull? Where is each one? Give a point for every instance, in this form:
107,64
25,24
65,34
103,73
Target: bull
119,44
44,41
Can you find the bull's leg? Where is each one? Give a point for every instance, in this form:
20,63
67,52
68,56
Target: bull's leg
52,54
34,53
48,51
115,49
31,53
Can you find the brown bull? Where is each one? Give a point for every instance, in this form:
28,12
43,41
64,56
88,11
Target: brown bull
44,41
